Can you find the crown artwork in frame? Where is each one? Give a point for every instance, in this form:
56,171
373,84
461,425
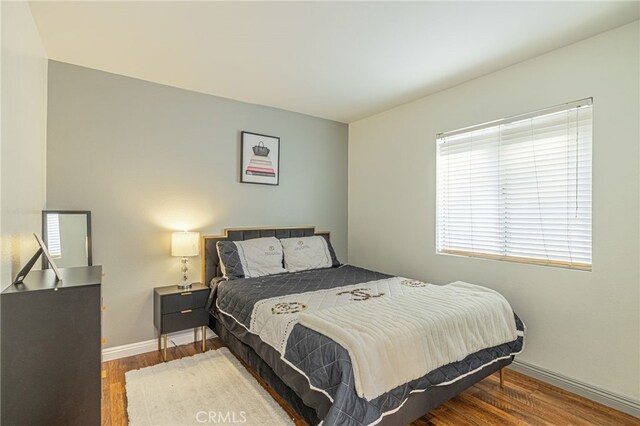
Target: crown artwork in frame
260,159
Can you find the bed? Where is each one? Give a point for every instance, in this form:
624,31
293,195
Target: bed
312,372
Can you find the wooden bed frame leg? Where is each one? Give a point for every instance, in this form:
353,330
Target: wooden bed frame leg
502,378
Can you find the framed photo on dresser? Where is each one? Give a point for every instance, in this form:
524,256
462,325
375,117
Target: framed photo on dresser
259,159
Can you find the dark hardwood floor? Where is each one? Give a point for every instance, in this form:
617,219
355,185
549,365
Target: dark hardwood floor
522,401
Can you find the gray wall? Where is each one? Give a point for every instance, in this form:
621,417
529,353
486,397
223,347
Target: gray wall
149,159
584,325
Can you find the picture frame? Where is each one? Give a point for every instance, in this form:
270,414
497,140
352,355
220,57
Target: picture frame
42,250
259,159
46,253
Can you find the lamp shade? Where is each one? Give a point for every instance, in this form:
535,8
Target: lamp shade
185,244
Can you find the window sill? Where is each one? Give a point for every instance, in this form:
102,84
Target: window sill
553,263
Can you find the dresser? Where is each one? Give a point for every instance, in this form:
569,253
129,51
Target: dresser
51,349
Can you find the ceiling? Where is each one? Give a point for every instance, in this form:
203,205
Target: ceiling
337,60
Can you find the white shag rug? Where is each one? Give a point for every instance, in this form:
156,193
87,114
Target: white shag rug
205,389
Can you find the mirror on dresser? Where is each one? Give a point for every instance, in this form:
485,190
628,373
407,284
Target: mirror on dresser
67,235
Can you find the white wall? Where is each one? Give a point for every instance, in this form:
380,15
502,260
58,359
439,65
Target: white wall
23,138
23,120
149,159
584,325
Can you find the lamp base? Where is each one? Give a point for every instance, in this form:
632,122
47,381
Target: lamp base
184,284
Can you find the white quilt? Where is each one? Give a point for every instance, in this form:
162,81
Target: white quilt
395,330
273,319
392,341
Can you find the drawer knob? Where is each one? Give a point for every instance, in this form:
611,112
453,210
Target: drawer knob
186,311
186,293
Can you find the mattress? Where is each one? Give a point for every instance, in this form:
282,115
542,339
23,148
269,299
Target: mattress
318,369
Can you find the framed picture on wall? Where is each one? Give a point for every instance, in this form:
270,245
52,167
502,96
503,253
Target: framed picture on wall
260,159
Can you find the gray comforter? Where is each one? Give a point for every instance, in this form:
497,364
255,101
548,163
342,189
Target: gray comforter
326,364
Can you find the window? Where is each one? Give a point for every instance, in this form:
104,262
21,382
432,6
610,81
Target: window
53,236
518,189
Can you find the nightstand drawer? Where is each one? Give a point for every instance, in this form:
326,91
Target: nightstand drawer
188,318
185,300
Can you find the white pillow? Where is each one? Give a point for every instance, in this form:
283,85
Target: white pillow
260,256
304,253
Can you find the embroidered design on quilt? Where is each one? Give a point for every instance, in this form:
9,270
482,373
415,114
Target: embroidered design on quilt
360,294
413,283
288,308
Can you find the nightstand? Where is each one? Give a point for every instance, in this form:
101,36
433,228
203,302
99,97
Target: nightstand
176,309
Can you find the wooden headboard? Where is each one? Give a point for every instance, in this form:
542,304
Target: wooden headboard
210,262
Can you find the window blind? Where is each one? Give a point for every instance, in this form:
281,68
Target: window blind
518,189
53,236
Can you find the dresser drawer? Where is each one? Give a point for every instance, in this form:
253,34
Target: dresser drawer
185,300
188,318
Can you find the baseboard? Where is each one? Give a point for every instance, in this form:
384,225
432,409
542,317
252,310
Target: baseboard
610,399
173,339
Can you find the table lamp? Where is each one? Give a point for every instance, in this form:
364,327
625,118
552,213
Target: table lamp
185,244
